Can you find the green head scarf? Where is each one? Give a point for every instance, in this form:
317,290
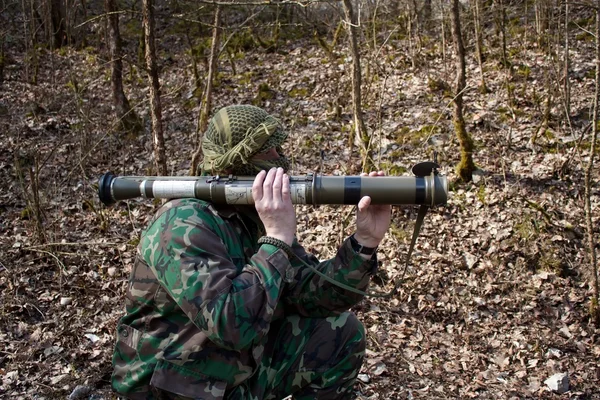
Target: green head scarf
237,133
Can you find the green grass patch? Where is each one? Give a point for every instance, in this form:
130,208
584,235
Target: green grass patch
246,78
392,169
399,233
415,137
523,71
481,194
264,93
242,41
438,85
298,92
526,229
584,37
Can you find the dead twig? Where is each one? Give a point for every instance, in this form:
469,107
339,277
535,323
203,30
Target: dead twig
61,266
45,245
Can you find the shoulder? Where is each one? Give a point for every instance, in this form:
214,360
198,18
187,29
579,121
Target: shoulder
180,215
179,225
187,208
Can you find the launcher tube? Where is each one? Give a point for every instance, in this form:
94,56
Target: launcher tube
310,189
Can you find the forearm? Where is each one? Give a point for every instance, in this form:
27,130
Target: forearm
243,312
311,295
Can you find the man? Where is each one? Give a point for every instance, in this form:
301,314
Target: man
220,306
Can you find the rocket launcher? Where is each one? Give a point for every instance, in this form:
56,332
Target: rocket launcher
426,187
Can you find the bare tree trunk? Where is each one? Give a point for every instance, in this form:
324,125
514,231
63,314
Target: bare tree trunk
152,69
2,60
31,49
417,28
207,98
59,32
594,308
545,116
566,82
466,166
476,7
426,13
125,114
526,23
26,40
501,24
444,39
35,190
374,25
194,61
3,33
409,33
542,23
336,35
501,27
81,32
360,130
27,162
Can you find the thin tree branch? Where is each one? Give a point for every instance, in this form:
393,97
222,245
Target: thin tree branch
261,3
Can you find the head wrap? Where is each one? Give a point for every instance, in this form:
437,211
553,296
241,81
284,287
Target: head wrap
237,133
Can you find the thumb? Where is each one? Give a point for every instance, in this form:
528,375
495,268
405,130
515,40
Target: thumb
364,203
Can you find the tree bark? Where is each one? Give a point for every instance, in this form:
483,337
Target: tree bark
35,190
2,54
479,44
466,166
501,27
542,22
426,13
360,130
124,113
207,98
152,70
594,308
59,32
443,28
567,65
409,31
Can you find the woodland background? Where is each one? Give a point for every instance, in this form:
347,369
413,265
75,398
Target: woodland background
502,290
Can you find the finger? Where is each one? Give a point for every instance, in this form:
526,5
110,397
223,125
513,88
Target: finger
277,185
257,186
268,185
364,203
286,195
380,173
363,174
373,173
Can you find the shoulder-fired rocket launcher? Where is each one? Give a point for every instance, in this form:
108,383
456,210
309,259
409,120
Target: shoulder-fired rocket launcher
427,187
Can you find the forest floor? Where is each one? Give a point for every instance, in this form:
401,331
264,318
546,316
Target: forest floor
495,300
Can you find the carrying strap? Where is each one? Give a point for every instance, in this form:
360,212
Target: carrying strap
418,223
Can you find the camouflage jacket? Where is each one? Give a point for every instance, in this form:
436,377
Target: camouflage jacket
202,295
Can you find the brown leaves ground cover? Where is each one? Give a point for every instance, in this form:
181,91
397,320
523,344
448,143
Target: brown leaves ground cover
494,300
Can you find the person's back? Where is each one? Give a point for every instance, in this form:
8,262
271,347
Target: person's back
220,304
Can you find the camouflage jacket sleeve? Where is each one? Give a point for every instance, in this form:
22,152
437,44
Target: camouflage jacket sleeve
311,295
185,248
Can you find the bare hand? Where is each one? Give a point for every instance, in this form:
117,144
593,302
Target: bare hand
372,221
273,202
